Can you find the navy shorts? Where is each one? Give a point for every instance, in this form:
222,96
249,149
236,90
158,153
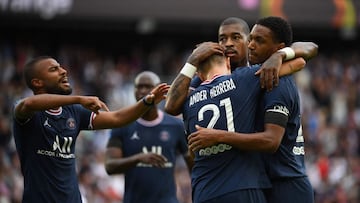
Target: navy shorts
241,196
294,190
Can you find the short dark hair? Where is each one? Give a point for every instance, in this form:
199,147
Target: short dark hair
235,20
205,65
29,69
280,27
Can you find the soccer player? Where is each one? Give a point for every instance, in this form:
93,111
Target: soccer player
232,36
221,172
146,150
46,126
281,134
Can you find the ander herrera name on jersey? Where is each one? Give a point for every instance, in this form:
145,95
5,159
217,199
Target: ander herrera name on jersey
222,87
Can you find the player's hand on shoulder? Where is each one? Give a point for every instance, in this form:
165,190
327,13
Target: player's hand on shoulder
269,72
93,103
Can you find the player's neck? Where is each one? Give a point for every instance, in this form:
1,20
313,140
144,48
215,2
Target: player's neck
215,72
151,114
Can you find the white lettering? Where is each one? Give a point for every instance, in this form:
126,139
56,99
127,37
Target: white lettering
54,154
45,152
166,165
222,87
67,156
198,96
298,150
47,9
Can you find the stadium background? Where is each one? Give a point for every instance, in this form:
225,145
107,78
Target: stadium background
105,43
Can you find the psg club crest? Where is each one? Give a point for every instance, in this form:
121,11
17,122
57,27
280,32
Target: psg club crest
70,123
164,136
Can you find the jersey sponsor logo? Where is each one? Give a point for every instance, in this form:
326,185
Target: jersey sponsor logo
279,109
298,150
70,123
164,136
220,148
60,149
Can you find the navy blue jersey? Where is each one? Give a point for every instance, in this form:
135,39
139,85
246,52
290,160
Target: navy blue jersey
165,136
286,166
195,82
288,160
46,144
228,102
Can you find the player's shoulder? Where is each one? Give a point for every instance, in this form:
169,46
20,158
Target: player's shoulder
171,118
246,70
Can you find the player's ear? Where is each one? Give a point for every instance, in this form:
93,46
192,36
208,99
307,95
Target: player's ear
36,83
281,45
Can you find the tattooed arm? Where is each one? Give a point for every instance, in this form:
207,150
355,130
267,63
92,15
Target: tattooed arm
177,94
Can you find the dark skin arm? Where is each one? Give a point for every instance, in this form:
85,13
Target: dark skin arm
189,160
126,115
28,106
103,120
267,141
269,72
115,163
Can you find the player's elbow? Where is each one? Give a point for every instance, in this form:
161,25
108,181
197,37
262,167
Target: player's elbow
170,109
109,169
273,147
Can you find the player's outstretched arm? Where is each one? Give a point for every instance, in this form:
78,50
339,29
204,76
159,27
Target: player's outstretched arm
305,50
126,115
293,66
28,106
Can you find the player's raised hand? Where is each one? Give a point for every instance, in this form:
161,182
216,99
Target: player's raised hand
157,94
93,103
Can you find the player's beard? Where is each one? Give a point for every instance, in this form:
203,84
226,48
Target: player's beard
59,90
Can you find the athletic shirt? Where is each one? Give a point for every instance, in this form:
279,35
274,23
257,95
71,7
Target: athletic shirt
46,144
288,160
227,102
165,136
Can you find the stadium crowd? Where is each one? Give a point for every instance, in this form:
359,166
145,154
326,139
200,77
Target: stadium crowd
330,95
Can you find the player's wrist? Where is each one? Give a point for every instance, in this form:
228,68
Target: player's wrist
188,70
288,52
146,101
